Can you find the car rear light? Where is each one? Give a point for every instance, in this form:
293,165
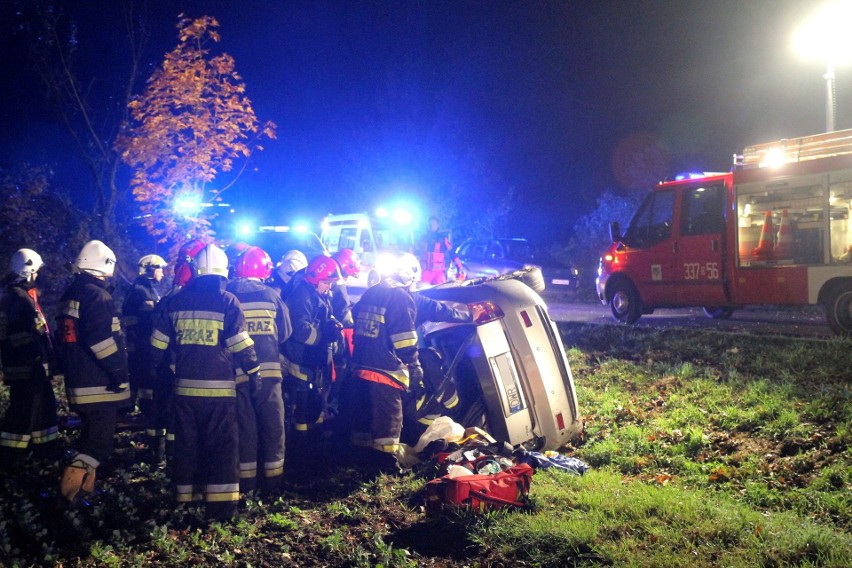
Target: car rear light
484,312
560,422
526,317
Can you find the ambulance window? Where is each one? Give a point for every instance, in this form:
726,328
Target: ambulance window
347,238
366,242
702,210
652,224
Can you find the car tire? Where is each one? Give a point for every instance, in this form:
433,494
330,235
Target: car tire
719,312
624,303
529,275
838,310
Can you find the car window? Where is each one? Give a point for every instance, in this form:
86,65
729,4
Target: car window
347,238
701,211
494,251
477,250
518,250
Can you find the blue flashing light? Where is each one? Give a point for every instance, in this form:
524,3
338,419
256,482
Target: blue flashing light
245,228
301,228
402,217
187,205
381,212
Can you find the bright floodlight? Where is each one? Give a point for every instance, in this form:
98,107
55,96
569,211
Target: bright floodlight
245,228
825,37
402,216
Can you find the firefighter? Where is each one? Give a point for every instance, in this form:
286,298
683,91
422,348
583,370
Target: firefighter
436,246
205,327
288,273
92,353
385,364
308,355
260,407
163,376
136,316
26,353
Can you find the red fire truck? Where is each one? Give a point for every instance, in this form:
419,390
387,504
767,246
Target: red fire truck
774,230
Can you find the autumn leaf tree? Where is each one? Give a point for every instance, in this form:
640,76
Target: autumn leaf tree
192,123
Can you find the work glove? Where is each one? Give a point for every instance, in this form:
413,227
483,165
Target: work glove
332,331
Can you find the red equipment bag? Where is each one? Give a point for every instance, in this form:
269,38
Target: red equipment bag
508,488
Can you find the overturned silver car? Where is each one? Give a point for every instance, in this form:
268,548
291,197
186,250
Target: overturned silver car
509,365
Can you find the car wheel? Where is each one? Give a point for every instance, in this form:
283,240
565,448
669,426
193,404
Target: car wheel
838,310
529,275
624,303
719,312
372,278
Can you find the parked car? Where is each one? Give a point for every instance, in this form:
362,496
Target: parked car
509,364
483,258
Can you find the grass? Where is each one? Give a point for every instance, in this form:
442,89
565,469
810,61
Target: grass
707,449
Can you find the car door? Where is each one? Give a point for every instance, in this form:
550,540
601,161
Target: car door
473,257
647,255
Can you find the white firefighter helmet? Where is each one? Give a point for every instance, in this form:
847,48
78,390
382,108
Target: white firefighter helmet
26,263
211,261
292,262
97,259
149,263
407,269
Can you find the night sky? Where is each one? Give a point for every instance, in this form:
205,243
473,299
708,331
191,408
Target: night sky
380,99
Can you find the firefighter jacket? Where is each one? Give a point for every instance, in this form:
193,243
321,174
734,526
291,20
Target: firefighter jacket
267,323
385,338
90,345
26,351
341,306
137,316
308,351
206,329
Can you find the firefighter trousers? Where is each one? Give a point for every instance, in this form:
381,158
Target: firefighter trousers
260,415
30,418
206,462
376,415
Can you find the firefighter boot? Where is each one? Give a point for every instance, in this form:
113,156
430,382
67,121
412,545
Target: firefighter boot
78,481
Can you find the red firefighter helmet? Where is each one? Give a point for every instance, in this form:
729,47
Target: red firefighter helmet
350,264
253,263
321,268
184,267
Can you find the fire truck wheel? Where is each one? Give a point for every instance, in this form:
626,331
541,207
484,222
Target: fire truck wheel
718,312
624,303
838,311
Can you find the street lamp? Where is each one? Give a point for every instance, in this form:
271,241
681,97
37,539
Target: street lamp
825,36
